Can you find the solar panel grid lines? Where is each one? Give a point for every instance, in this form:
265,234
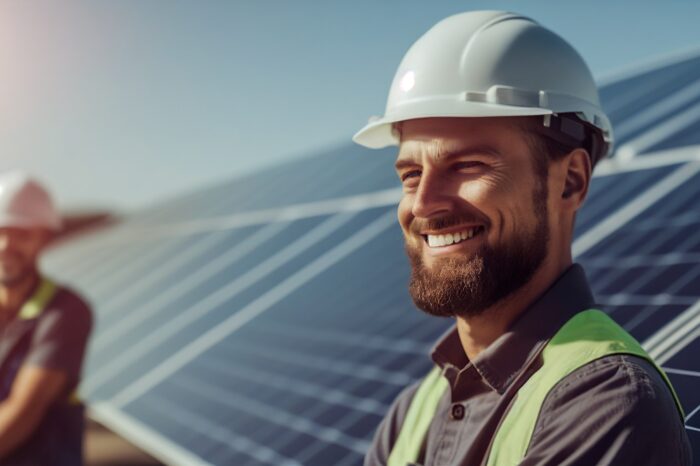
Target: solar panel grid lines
205,341
182,415
652,159
265,377
320,363
677,341
311,390
401,345
187,316
690,135
157,275
634,260
144,363
270,414
668,105
658,96
141,435
623,99
288,213
246,195
73,253
658,342
634,207
116,262
615,192
650,269
173,290
87,262
662,131
300,359
616,78
226,365
696,410
131,267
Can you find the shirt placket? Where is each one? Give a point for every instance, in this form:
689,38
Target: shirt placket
455,415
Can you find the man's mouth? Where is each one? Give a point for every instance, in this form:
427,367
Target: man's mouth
446,239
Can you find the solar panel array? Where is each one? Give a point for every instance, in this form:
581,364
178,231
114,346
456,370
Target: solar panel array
266,321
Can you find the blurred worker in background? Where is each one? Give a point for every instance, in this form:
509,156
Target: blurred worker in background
499,125
44,329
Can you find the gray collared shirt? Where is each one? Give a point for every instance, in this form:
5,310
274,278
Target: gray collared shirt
616,410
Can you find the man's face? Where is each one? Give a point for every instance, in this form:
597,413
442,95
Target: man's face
473,212
19,250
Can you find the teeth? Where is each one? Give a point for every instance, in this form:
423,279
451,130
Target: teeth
436,241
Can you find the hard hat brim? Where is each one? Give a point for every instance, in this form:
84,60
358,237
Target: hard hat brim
15,221
379,133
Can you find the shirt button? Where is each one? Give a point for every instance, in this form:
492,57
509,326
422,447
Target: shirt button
457,413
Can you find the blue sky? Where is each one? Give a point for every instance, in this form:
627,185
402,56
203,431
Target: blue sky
121,104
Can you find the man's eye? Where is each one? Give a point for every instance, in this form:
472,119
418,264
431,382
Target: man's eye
411,174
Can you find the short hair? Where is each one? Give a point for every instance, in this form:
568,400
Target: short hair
557,140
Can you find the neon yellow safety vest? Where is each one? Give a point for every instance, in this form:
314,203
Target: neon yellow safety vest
587,336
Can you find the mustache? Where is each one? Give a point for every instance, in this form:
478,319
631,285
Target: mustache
447,221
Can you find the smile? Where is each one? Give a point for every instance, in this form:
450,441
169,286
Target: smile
438,241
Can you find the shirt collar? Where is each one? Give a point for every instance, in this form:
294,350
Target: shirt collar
512,352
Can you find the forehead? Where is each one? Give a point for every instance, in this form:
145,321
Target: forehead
435,137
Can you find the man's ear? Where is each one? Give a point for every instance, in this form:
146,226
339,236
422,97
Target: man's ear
578,178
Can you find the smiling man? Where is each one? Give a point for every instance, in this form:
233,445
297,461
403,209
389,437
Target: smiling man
499,126
43,333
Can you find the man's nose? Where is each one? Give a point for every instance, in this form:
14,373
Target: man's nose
432,197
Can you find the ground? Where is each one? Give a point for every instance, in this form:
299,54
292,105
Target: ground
104,448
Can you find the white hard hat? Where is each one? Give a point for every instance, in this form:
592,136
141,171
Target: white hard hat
489,64
24,203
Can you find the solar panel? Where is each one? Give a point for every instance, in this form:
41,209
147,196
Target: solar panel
266,321
656,110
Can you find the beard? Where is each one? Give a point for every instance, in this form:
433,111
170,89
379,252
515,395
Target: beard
467,286
14,268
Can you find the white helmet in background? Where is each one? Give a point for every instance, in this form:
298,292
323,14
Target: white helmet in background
493,64
24,203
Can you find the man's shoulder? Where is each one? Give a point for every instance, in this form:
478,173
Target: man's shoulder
70,301
620,387
67,308
615,408
628,377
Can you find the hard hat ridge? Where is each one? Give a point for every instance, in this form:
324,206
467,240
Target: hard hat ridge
488,64
25,203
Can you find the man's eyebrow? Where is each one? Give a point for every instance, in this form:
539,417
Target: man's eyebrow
404,163
472,150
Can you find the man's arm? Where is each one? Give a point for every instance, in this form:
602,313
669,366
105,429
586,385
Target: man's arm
33,391
614,411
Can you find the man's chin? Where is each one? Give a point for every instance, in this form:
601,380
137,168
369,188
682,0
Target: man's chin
13,276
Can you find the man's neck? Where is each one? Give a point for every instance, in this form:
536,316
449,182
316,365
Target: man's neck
477,332
12,297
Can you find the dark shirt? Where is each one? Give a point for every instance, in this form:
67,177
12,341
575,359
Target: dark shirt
616,410
54,339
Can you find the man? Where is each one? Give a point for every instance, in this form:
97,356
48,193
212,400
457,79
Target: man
43,332
499,125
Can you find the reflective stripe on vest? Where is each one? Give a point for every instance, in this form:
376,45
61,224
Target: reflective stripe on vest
36,304
587,336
